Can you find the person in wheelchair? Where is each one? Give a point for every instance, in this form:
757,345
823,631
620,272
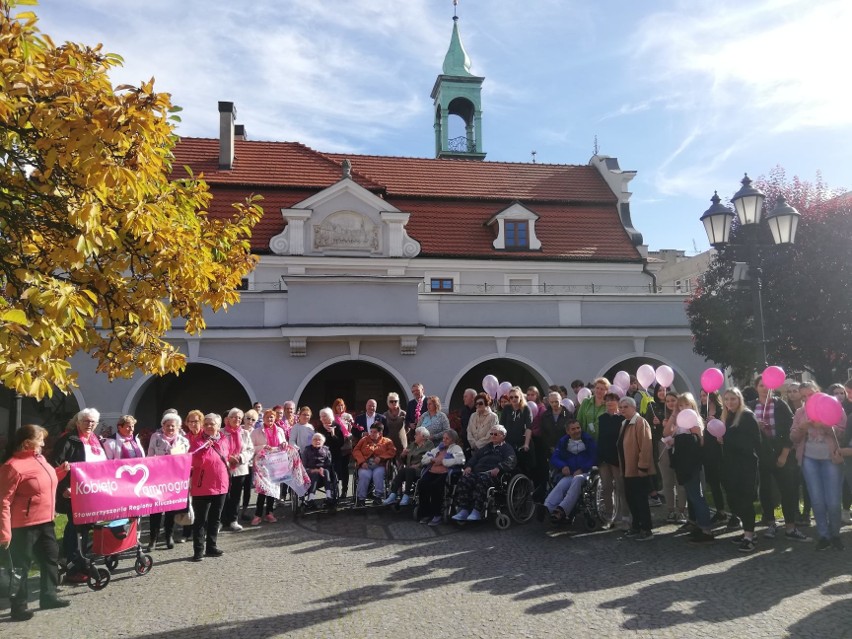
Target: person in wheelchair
411,467
316,459
438,463
371,456
481,473
571,462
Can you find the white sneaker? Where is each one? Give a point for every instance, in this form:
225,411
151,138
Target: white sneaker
475,515
461,515
435,521
389,500
234,527
405,500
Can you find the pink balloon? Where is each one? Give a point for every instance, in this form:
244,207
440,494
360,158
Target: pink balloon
716,427
583,394
829,410
533,409
687,419
773,377
665,376
504,388
618,390
622,378
490,385
811,406
568,405
646,375
712,380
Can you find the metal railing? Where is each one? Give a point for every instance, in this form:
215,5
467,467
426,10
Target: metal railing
590,288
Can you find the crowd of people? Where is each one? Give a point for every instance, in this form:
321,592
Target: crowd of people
650,449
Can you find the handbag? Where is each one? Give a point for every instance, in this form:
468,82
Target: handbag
10,577
186,517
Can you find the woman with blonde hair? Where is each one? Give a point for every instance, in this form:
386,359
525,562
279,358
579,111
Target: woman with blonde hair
395,422
673,492
740,451
516,418
435,421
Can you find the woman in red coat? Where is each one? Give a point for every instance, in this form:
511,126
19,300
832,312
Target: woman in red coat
27,503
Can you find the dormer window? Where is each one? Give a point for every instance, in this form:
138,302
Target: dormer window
517,234
515,227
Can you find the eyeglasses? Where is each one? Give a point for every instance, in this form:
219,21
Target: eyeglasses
480,403
495,433
393,401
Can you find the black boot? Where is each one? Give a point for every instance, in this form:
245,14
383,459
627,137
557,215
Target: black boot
152,541
20,612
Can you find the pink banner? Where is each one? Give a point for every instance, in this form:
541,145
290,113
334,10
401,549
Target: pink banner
119,488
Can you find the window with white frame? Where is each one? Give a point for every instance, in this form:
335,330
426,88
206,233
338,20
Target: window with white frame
515,226
517,284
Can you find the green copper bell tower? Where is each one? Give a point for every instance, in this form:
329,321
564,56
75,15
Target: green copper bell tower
458,92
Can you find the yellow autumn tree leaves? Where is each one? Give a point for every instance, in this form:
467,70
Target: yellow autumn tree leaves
100,248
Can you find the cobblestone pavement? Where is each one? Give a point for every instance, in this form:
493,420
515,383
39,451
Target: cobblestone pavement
376,573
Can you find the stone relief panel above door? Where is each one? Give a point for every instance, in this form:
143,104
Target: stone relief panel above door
347,231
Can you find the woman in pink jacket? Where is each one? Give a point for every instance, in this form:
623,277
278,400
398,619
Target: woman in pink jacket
208,486
27,503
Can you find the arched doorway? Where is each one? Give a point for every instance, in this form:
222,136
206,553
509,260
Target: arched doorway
202,386
504,369
355,381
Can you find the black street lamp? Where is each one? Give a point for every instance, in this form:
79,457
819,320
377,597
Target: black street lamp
783,221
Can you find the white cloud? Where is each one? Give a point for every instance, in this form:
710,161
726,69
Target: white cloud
733,74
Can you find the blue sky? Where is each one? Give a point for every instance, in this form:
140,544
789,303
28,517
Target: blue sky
688,94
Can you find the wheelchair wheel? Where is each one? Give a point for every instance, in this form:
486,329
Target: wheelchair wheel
593,505
111,563
101,582
502,521
143,565
519,499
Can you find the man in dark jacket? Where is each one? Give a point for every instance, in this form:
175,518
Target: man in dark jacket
481,472
573,459
365,420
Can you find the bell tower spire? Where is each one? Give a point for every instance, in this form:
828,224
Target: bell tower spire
458,93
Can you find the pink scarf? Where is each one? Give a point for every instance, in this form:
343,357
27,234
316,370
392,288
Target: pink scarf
94,444
271,435
129,447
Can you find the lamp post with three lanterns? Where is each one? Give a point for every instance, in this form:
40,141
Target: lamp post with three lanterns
783,221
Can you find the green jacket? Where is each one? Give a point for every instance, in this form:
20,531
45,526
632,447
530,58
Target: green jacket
588,415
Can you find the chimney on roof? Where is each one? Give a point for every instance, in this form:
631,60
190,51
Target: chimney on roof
227,115
240,132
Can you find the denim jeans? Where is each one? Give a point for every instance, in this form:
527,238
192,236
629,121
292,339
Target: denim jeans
824,480
695,496
566,493
376,475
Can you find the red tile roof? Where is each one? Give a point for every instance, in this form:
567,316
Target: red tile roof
449,200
